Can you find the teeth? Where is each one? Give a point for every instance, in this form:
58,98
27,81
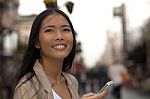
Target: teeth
59,46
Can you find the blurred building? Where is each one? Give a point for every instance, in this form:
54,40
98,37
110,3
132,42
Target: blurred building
24,27
8,20
8,43
113,49
9,13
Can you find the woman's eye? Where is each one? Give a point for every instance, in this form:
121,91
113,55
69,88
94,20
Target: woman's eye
67,30
48,30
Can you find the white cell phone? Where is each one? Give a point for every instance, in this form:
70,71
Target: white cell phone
107,87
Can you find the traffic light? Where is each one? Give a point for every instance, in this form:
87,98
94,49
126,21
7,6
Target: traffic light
69,6
51,3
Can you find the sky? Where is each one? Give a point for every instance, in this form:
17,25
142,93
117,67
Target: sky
92,19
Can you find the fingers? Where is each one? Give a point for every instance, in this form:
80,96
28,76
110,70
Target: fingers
95,96
88,94
102,94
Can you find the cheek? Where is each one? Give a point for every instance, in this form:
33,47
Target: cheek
70,37
71,40
71,43
44,42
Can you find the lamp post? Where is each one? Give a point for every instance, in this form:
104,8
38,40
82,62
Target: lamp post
120,12
51,4
69,6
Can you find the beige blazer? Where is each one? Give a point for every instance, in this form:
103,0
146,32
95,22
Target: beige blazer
31,89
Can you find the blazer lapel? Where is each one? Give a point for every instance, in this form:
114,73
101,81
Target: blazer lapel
71,86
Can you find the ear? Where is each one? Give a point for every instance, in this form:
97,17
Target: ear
37,44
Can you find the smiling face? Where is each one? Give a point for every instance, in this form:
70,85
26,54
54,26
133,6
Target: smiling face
55,37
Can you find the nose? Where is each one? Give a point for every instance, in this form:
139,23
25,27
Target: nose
59,36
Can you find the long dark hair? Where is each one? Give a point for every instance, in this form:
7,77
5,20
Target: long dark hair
33,53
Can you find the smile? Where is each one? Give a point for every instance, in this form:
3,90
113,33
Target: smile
59,46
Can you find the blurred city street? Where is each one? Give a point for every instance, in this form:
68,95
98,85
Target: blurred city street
130,94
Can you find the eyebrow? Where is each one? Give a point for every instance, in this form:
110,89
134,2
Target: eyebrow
65,25
51,26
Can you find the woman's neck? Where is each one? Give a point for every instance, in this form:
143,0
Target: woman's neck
52,69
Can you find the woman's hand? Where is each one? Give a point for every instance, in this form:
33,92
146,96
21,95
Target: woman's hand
94,96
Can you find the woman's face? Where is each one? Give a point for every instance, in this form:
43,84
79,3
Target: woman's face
55,37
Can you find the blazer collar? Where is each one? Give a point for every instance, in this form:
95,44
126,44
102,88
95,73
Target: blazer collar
42,77
44,80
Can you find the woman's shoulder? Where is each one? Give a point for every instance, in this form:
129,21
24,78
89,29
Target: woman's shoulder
25,88
27,84
27,80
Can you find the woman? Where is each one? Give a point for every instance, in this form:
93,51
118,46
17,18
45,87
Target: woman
49,56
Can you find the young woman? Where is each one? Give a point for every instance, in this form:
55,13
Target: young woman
49,56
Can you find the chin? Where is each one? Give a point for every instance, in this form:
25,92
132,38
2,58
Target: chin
62,56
